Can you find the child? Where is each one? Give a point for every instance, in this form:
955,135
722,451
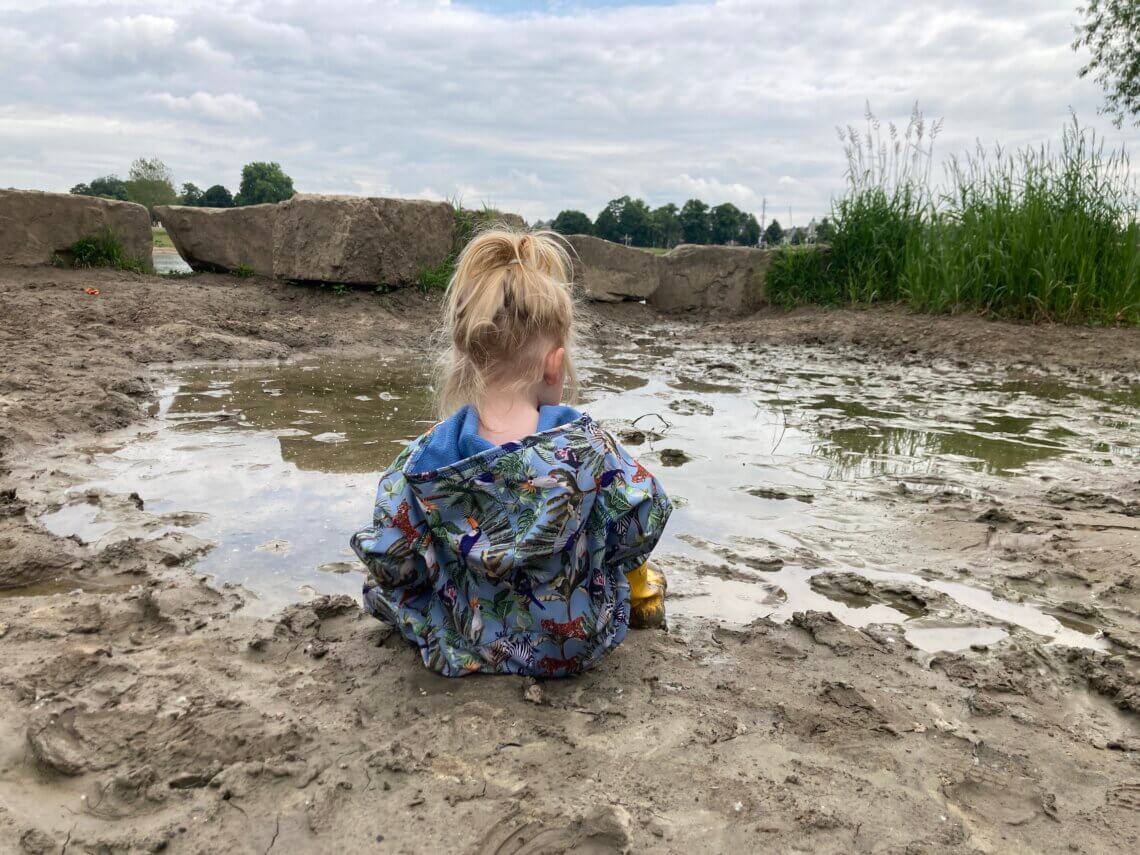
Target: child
502,538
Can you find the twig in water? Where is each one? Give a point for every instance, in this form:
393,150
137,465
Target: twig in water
659,417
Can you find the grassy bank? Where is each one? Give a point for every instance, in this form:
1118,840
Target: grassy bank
1035,234
161,238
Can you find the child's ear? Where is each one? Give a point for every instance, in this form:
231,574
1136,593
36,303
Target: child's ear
553,365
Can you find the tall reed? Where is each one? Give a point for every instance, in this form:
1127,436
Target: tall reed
1036,234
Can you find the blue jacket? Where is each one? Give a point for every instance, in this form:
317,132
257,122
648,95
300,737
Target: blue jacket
510,559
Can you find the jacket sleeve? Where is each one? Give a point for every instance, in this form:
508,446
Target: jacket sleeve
391,547
638,509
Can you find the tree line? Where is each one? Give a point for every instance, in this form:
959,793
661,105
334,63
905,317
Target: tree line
633,222
151,182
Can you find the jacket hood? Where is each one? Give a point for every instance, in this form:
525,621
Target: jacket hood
457,438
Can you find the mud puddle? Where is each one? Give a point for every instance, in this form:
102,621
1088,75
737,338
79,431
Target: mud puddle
785,465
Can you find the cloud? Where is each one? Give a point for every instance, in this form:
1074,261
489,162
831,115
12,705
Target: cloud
531,107
225,108
141,28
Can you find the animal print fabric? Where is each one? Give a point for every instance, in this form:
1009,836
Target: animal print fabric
513,561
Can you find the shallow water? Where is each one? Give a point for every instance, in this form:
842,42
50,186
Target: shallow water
167,261
778,462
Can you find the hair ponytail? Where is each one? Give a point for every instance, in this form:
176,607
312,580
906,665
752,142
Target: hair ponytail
508,299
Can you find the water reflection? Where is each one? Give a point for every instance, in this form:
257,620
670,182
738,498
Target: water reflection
859,452
328,417
766,456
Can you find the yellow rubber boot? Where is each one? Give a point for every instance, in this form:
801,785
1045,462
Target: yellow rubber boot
646,597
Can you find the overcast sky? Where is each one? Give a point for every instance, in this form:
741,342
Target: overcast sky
530,106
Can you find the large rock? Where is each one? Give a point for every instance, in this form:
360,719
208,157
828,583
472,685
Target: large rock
716,278
222,239
354,240
360,241
36,226
611,271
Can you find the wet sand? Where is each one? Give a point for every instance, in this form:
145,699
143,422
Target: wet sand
143,709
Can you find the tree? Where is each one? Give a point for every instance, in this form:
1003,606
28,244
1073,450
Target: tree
725,222
636,222
110,187
151,183
107,187
750,231
572,223
1111,32
216,196
263,182
607,224
694,222
191,195
666,226
825,231
774,234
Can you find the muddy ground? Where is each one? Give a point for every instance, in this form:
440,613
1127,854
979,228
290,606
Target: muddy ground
141,710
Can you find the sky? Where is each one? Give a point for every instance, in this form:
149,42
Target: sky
530,107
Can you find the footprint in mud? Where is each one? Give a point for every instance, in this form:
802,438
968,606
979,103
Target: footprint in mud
999,516
860,592
691,407
184,519
998,797
1125,795
762,555
604,829
1080,500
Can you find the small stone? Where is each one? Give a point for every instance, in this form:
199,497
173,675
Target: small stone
318,648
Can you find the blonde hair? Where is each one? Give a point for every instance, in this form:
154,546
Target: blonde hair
507,301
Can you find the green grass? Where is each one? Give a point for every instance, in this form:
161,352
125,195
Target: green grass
161,238
1038,234
102,249
467,223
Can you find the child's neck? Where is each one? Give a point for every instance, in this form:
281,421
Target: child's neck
507,416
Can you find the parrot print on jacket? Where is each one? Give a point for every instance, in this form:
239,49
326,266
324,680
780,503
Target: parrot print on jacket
513,560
